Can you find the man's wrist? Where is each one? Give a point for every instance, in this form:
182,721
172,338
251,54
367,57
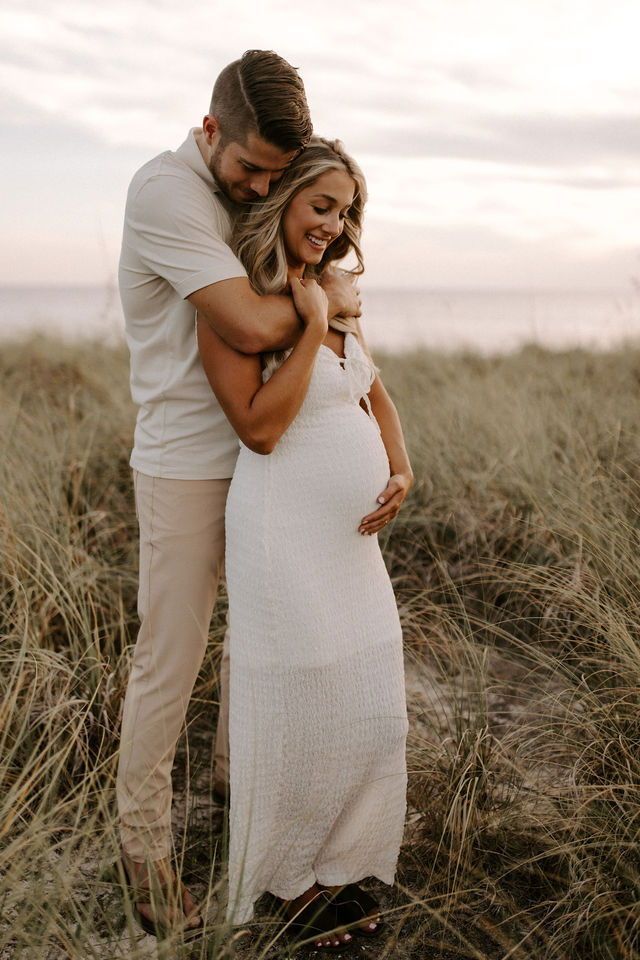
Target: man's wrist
335,306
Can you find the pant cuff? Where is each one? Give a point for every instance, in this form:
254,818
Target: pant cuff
138,850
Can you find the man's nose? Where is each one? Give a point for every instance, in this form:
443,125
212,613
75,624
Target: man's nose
260,184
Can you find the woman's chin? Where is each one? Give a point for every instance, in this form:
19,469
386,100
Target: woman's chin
306,258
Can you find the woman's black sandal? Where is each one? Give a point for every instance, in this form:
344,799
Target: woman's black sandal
315,920
157,929
355,905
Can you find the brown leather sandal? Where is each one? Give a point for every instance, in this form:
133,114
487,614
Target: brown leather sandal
141,895
315,920
355,905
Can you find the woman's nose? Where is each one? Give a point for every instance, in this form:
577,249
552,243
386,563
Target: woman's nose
332,226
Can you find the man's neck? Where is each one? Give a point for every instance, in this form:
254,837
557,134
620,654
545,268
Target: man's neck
203,146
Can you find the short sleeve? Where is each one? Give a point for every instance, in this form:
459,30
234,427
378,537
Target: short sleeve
178,234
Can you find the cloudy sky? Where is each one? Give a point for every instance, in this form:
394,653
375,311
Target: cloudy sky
501,140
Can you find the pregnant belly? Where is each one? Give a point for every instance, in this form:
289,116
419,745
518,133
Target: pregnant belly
329,468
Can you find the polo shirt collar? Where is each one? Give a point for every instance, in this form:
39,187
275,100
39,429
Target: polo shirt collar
189,153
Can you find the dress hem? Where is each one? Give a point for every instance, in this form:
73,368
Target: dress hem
329,880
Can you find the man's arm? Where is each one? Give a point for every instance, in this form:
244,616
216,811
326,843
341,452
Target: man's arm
254,324
246,321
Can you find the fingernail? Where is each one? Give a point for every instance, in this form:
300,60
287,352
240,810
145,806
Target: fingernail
380,499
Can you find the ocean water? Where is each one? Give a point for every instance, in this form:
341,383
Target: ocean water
489,322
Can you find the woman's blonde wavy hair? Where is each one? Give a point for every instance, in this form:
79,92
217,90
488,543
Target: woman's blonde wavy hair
258,239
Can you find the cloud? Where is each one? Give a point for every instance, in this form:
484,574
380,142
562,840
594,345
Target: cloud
580,181
470,256
552,140
525,136
479,77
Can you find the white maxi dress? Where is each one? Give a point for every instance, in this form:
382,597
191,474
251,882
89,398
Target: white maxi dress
318,717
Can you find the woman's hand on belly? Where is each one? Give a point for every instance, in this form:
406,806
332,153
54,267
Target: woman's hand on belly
391,499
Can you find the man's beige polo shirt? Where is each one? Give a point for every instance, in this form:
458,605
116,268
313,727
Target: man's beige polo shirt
174,243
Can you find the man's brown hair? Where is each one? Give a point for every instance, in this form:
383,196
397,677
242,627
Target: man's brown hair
261,92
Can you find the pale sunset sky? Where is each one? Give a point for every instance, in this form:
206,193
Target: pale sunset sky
500,140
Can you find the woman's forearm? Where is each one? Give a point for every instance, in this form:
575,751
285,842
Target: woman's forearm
276,403
385,412
261,412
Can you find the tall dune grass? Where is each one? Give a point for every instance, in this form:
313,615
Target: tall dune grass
515,564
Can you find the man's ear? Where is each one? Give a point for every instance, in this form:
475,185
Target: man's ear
210,127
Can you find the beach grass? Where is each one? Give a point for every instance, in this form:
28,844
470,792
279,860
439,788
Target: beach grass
515,565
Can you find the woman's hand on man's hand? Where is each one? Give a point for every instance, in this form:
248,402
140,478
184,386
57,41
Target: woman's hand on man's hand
391,500
311,303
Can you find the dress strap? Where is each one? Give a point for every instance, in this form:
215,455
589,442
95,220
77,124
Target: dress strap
359,359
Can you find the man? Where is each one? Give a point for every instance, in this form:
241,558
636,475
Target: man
175,260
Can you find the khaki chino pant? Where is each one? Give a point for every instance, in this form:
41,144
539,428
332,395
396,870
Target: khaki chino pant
181,561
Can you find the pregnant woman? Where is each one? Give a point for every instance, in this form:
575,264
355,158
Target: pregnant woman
318,717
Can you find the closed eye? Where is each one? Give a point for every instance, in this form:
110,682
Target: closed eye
321,210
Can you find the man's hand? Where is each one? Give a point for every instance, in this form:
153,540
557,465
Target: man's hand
342,293
391,499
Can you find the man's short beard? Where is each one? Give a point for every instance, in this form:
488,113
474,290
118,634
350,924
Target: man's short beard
214,169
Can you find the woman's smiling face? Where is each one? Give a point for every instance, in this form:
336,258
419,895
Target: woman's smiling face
315,217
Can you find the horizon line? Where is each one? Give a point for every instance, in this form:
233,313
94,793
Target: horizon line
111,287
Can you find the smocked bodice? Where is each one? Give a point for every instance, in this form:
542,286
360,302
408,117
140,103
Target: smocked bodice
335,380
